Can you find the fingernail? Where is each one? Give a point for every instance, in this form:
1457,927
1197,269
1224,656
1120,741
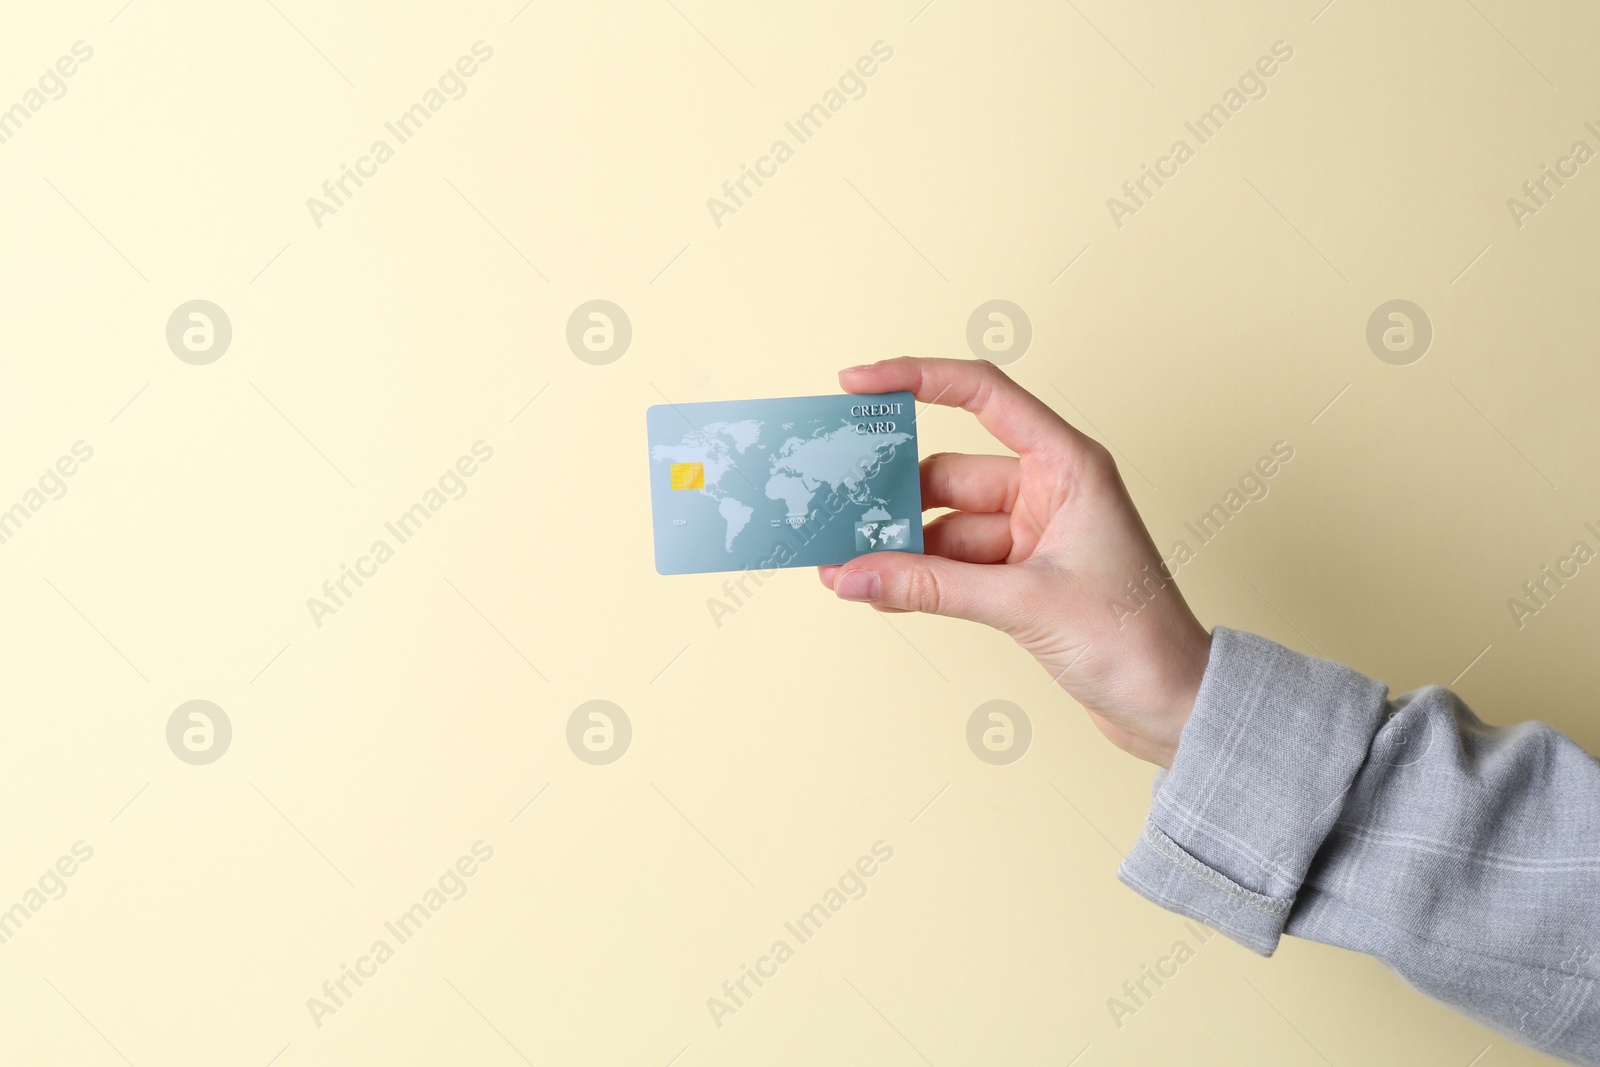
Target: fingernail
858,585
858,366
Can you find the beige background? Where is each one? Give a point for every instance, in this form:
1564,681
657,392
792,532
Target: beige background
768,754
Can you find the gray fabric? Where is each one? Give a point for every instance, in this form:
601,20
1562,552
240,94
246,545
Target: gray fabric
1303,799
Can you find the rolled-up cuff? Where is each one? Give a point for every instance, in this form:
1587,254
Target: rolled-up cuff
1262,767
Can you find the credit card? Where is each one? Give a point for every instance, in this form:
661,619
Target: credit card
796,481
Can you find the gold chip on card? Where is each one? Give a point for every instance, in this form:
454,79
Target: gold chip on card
688,476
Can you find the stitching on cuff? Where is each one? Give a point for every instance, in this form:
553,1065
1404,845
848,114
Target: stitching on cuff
1171,851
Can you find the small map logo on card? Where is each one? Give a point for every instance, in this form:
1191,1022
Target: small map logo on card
876,534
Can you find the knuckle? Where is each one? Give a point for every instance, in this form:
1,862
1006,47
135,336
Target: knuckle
1098,458
993,374
938,477
923,592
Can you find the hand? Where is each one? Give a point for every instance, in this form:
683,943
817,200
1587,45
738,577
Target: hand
1042,546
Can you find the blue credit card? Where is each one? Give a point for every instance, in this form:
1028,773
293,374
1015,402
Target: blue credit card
796,481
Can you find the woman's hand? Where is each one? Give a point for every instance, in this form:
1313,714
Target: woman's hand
1042,546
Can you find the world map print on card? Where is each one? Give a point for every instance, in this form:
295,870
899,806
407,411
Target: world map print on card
786,482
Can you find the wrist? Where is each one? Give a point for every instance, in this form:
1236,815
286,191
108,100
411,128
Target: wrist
1184,668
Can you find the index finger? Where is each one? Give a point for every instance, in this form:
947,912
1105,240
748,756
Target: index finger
1017,419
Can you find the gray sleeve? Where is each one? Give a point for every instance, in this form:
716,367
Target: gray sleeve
1303,799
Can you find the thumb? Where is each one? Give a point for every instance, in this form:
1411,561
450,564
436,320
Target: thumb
995,595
